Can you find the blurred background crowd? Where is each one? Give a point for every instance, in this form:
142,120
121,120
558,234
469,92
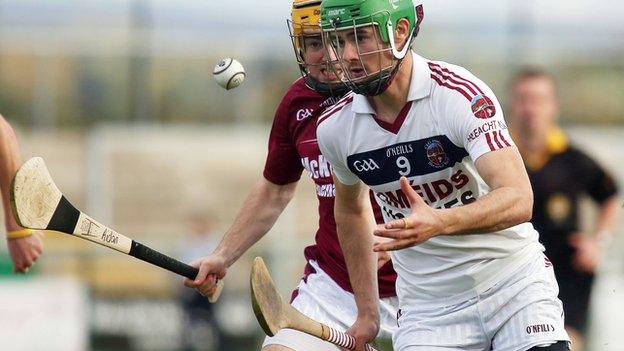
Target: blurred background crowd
118,97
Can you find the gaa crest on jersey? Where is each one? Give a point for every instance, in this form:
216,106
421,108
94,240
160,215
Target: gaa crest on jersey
482,107
436,154
304,113
366,165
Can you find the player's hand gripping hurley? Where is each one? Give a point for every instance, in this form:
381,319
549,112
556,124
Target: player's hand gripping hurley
39,204
273,313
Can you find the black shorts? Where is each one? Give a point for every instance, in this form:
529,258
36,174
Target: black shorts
574,292
558,346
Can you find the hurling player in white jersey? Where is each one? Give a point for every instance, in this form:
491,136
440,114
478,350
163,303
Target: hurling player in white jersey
324,292
430,140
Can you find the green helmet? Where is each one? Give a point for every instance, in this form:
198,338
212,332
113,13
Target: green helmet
338,15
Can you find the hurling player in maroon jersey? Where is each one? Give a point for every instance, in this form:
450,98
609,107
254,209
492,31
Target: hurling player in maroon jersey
324,293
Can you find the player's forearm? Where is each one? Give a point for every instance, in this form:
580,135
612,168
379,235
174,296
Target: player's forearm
500,209
607,219
9,163
354,233
257,216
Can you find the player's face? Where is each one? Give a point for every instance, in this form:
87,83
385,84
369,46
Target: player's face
534,104
358,52
315,57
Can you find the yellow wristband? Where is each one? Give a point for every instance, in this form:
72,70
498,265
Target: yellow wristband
16,234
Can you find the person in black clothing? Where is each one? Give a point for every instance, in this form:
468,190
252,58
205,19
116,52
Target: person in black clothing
560,175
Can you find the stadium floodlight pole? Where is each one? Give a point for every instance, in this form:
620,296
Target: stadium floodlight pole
39,204
274,314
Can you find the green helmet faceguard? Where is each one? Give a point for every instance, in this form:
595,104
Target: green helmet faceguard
341,16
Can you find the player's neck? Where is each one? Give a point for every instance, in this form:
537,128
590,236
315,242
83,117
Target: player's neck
388,105
532,142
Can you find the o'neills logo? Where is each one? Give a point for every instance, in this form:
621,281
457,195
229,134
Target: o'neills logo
540,328
436,154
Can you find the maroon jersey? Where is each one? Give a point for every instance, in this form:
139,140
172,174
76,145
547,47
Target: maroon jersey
293,147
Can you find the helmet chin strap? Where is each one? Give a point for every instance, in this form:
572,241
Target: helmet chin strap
326,89
399,55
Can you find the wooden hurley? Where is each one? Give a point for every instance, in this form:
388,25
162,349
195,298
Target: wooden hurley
39,204
274,314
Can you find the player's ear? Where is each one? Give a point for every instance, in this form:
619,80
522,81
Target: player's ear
402,33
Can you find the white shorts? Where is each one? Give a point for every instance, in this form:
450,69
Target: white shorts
516,314
321,299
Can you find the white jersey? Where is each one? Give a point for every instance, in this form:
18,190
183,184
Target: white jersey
450,120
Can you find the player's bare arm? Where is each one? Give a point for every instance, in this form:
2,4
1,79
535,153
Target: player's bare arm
591,248
258,214
607,218
25,246
509,202
354,222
